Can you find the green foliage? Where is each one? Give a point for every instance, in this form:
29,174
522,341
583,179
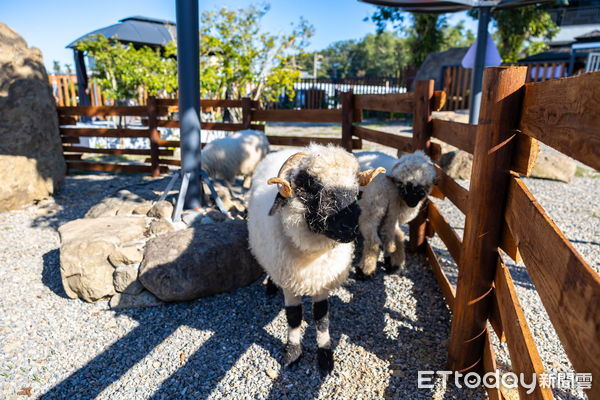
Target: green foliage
120,69
425,33
238,59
522,31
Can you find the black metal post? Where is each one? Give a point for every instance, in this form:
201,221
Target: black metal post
82,81
188,68
477,77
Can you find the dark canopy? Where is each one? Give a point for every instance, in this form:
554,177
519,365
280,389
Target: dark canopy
137,30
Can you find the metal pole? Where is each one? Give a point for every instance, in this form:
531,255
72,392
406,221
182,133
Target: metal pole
477,77
188,69
82,81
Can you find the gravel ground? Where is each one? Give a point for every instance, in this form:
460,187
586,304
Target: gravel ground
575,209
226,346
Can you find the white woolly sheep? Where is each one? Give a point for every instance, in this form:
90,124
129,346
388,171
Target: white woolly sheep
234,155
391,199
302,232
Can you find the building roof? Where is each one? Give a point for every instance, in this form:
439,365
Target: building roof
570,33
591,36
137,30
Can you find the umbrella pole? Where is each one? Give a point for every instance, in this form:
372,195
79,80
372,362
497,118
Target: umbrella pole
477,77
188,69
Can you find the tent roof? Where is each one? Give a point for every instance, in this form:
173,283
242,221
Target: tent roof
138,30
437,6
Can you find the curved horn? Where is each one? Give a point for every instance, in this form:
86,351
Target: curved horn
365,177
285,189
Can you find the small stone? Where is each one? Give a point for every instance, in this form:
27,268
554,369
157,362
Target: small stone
271,373
160,226
126,256
162,209
125,279
398,373
216,216
142,209
191,217
124,300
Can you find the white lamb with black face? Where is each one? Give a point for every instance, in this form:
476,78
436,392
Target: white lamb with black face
392,199
302,221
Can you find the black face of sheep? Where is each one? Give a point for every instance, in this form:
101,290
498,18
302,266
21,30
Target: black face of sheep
332,212
411,193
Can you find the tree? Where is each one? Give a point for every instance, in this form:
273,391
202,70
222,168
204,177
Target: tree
238,59
120,69
522,31
56,67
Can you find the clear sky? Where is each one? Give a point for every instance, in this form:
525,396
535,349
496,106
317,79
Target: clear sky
51,25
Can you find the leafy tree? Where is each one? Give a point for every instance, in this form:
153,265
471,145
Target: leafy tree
120,69
522,31
56,67
238,59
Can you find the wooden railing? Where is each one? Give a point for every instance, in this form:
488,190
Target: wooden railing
501,214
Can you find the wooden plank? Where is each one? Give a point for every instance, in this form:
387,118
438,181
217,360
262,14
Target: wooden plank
72,157
104,132
127,168
103,111
168,143
509,245
457,194
568,287
348,101
526,154
142,152
489,365
392,102
444,231
402,143
301,141
154,135
438,101
67,121
498,118
563,113
445,286
495,318
297,115
456,134
209,103
524,356
166,161
212,126
69,139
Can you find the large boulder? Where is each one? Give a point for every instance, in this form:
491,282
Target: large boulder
31,158
123,202
88,245
554,167
199,261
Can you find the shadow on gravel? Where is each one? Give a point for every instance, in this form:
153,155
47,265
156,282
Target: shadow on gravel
51,273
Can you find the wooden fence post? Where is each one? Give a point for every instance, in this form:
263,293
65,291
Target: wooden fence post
421,140
246,112
498,119
347,99
153,134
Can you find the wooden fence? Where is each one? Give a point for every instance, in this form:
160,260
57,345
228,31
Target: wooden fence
456,81
502,216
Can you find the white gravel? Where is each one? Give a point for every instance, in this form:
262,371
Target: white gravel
226,346
229,346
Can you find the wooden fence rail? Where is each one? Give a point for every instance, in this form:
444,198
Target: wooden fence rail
501,214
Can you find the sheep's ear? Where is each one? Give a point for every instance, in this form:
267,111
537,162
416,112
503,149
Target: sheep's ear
365,177
277,204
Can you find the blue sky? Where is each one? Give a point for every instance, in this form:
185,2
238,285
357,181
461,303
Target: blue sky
51,25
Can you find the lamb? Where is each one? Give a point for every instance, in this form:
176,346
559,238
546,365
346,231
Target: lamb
302,231
234,155
392,199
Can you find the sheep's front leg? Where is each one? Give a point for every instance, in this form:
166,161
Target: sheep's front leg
293,313
321,317
397,258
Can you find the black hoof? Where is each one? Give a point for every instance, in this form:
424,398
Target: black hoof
272,288
325,361
390,269
360,275
292,353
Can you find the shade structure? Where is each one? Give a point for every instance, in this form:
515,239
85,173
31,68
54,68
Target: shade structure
485,8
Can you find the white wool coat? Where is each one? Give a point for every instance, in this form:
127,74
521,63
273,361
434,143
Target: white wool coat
295,258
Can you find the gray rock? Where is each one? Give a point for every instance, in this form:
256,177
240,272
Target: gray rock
199,261
124,300
554,167
457,164
85,247
160,226
31,158
190,217
161,209
125,255
142,209
125,279
123,203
